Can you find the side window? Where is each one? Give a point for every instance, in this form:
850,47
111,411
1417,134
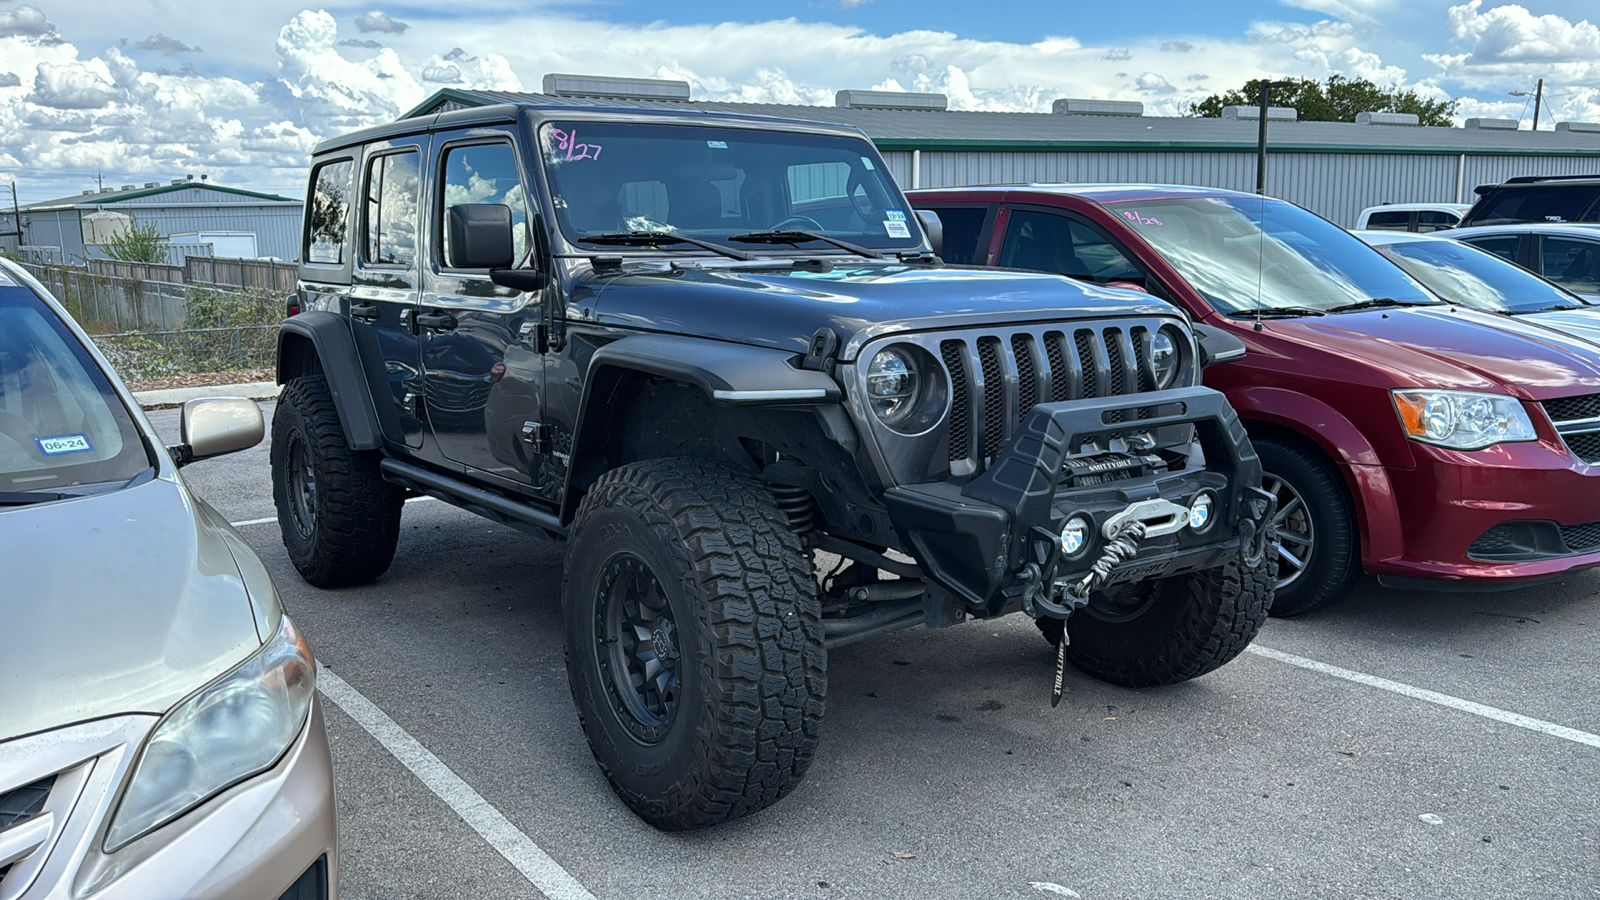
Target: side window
1389,221
485,173
1573,264
390,223
963,226
1436,220
327,222
1054,243
1503,247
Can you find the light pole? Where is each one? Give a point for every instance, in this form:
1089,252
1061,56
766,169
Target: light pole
1261,135
1538,98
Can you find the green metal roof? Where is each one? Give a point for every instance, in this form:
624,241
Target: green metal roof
101,198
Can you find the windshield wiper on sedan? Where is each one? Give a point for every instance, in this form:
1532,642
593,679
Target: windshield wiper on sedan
1559,307
1381,303
658,238
1275,312
28,498
800,237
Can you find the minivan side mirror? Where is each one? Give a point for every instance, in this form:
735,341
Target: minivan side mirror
934,228
216,425
480,236
1217,346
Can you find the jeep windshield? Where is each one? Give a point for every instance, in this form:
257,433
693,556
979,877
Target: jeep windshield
1246,254
762,190
63,429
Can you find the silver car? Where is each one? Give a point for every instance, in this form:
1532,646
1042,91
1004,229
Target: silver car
160,731
1567,253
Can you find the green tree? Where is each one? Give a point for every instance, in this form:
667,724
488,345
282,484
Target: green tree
1339,100
139,243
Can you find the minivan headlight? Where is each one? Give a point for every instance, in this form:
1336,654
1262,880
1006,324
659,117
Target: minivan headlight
237,726
1462,420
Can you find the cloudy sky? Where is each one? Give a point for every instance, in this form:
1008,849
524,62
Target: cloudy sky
146,90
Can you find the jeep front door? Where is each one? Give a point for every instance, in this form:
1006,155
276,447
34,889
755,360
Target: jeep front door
481,354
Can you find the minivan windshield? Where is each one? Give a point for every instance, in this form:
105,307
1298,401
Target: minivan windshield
1475,278
1248,253
753,188
62,425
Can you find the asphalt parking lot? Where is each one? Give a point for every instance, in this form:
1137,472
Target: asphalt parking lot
1400,744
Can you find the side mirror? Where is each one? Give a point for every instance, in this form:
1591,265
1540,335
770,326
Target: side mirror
217,425
480,236
1217,346
934,228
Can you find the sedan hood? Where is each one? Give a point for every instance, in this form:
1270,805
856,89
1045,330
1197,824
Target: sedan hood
1450,347
1579,323
784,308
115,603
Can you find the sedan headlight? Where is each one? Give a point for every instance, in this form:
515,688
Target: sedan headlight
237,726
1462,420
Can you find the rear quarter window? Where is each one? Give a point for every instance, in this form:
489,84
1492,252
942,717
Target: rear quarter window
328,219
1541,203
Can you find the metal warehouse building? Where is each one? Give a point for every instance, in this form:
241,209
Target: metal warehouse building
181,207
1332,168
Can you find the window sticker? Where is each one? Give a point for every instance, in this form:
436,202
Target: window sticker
717,145
868,163
895,215
62,444
896,229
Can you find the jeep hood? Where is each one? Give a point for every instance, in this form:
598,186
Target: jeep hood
123,602
1438,347
783,308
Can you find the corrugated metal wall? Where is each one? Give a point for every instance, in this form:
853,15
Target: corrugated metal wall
1336,186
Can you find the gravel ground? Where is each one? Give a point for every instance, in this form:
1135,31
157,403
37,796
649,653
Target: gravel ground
202,379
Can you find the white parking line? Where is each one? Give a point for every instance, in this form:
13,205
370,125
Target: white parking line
275,518
1416,693
535,865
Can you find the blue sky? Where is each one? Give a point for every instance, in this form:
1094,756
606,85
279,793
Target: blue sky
149,90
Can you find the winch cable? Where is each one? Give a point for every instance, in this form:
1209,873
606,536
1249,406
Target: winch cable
1124,546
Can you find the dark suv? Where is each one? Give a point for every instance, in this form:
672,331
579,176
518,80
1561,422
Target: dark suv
1535,198
718,356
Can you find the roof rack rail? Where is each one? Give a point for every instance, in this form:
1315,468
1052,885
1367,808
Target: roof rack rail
1530,179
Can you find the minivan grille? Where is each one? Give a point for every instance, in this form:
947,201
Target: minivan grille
1577,420
995,379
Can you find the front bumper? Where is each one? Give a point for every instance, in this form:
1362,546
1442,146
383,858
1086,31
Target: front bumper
991,541
1505,514
252,842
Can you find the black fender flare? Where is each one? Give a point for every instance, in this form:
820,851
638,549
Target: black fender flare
730,375
347,361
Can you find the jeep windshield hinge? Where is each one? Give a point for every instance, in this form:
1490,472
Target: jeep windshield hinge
820,355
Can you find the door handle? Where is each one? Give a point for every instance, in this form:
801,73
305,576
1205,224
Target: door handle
366,311
438,320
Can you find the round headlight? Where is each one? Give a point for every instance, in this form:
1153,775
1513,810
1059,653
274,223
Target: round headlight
1164,359
1200,511
1075,536
892,383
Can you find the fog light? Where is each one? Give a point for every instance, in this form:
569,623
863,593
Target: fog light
1075,536
1200,512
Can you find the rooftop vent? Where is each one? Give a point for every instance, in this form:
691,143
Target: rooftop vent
891,100
127,187
1073,107
1493,124
1253,113
150,184
89,191
179,181
1383,118
106,190
615,88
1581,127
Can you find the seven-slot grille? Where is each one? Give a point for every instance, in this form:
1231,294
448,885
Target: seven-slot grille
995,380
1577,420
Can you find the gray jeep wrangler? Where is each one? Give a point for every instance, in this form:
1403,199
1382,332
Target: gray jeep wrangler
719,357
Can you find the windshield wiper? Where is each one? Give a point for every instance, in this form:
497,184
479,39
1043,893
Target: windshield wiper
658,238
800,237
28,498
1381,303
1556,308
1275,312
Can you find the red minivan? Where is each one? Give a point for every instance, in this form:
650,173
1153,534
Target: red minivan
1426,443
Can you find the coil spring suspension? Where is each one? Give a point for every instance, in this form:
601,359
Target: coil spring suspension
797,504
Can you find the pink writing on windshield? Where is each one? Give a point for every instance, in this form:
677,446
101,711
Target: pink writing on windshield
568,141
1133,216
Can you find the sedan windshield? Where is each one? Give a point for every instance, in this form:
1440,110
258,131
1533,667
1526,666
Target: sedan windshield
1247,253
61,424
1472,277
735,187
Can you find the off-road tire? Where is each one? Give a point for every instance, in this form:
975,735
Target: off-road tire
347,532
1183,626
748,651
1335,552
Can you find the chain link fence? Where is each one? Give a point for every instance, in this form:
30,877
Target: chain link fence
154,329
